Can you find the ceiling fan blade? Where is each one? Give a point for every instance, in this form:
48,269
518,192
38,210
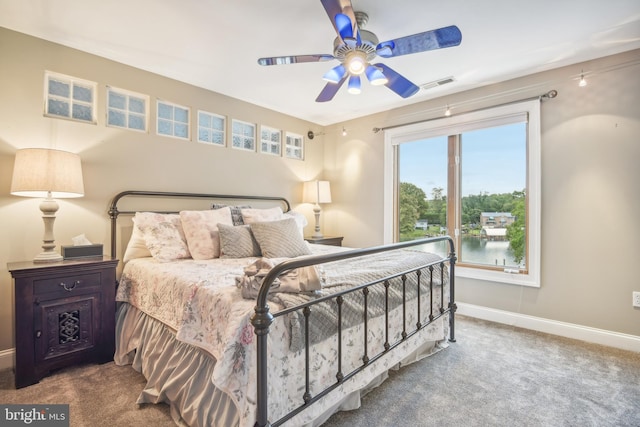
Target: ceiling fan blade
330,90
295,59
397,83
341,7
421,42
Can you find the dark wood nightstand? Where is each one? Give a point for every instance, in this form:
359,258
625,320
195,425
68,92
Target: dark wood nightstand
326,240
64,315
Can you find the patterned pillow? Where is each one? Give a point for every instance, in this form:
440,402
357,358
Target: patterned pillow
201,230
280,239
250,216
237,242
163,235
236,213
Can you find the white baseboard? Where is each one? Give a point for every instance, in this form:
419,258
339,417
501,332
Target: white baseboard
554,327
7,358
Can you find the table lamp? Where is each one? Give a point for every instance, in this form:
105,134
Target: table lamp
317,192
46,173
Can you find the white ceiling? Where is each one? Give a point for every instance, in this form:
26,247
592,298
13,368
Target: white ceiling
215,44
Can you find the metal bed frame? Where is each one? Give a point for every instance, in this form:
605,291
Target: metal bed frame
263,318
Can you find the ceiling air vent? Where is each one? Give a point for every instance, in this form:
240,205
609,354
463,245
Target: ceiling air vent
437,83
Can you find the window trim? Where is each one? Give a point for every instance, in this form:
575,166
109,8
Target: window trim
293,136
224,129
173,120
242,135
454,125
128,94
48,75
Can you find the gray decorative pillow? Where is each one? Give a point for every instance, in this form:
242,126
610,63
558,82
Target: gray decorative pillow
237,242
280,239
236,212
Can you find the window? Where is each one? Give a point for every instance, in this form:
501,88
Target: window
173,120
476,177
294,146
211,128
127,109
270,140
70,98
243,135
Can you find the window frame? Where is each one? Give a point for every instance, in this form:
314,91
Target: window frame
290,150
454,125
127,112
173,120
72,82
211,129
242,135
272,131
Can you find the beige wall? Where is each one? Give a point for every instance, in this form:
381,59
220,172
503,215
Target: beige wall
115,160
590,191
590,152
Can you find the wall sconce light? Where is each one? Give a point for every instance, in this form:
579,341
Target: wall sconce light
447,111
40,172
311,134
344,131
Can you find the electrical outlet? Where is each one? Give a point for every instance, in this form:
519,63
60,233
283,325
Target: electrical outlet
636,299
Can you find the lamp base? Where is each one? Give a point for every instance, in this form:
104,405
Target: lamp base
47,257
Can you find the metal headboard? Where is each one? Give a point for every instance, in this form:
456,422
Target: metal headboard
114,211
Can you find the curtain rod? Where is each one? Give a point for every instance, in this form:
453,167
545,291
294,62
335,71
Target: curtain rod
550,95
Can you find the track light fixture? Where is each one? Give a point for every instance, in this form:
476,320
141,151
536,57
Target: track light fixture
582,82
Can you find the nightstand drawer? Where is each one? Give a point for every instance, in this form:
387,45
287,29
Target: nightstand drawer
64,286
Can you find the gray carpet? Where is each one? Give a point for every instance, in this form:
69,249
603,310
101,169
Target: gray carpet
499,376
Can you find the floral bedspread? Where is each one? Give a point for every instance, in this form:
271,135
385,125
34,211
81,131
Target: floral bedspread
200,301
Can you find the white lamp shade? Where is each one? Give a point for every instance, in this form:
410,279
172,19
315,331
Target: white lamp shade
316,192
38,171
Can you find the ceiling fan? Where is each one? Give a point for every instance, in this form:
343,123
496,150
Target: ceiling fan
356,47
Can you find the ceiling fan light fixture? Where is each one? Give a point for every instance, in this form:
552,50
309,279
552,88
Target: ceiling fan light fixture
354,85
335,74
375,76
356,62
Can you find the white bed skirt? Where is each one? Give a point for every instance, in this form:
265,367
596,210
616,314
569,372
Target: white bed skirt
179,374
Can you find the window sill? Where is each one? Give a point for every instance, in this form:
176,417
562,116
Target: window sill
498,276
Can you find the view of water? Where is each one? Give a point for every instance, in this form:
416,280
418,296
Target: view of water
478,251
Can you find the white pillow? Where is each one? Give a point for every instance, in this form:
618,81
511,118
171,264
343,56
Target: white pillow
301,220
201,231
261,215
163,235
137,247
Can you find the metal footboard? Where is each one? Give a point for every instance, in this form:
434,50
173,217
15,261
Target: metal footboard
263,318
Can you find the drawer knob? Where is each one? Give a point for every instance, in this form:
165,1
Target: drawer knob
71,287
38,334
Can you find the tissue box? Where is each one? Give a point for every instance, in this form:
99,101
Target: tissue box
82,251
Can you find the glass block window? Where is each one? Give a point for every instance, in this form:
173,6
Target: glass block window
127,109
211,128
173,120
294,146
243,135
69,98
270,140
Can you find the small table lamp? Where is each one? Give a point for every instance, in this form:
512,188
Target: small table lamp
41,172
317,192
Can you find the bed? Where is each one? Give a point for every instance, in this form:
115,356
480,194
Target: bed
288,335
